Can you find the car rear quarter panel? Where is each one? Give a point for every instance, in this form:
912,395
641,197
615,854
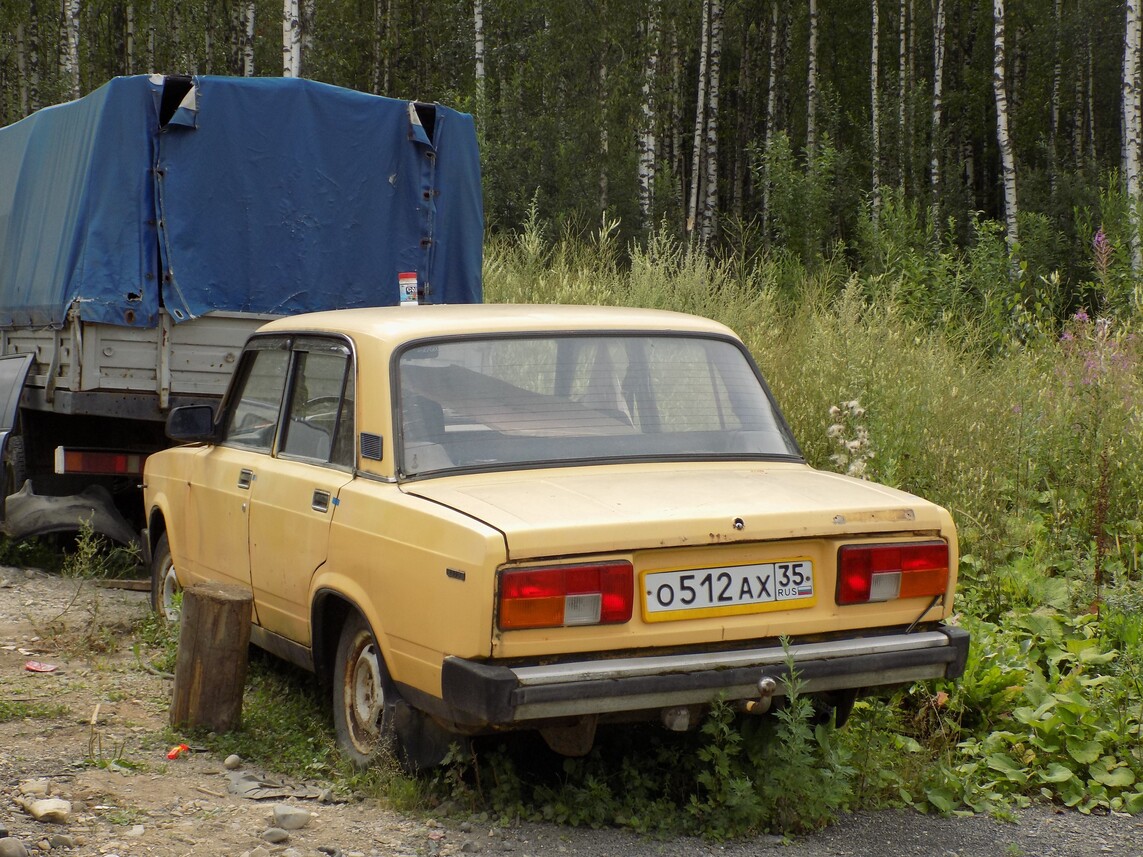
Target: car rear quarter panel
421,573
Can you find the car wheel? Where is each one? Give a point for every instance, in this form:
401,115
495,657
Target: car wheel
165,589
370,717
362,693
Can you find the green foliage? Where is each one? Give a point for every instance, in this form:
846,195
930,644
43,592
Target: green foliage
734,776
1026,427
94,558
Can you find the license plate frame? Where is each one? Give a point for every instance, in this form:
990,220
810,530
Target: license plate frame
731,590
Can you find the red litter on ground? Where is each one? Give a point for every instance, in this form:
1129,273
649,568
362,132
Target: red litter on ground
177,751
38,667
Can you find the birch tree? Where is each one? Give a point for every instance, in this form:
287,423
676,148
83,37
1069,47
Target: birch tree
648,153
710,205
478,50
938,95
291,39
69,53
1131,131
771,113
1054,112
1004,142
875,111
700,115
812,87
248,41
129,38
902,88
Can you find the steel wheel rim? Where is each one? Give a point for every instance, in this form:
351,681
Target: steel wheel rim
169,590
364,696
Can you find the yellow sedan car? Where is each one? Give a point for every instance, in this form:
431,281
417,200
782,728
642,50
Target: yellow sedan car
467,519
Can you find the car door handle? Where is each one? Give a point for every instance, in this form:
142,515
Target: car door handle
245,477
320,502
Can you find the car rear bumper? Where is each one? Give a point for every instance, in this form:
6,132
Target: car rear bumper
487,694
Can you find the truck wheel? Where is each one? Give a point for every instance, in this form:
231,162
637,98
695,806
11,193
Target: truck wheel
15,469
165,588
369,715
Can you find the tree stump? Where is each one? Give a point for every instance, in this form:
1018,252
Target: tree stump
210,668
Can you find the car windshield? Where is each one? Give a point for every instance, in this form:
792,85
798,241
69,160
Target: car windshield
492,403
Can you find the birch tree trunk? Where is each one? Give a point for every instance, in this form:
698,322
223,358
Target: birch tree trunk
1054,113
248,41
603,140
291,39
22,67
903,147
647,142
1131,134
700,115
771,115
1004,142
812,88
152,19
678,159
938,95
69,55
710,205
129,39
478,50
308,16
378,49
875,111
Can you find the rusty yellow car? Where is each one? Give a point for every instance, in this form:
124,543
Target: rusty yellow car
466,519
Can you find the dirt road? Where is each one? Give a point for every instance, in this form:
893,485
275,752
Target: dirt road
61,730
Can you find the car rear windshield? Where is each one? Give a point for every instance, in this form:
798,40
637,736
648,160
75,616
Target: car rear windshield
551,400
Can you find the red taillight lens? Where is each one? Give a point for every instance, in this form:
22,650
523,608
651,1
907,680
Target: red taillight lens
596,594
883,572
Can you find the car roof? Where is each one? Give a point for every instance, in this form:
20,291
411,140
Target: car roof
396,324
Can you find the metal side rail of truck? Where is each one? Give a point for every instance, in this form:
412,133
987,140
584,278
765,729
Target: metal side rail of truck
149,227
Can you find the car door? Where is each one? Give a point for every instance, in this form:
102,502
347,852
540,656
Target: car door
223,476
294,499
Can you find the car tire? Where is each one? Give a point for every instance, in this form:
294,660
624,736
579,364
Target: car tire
165,587
370,718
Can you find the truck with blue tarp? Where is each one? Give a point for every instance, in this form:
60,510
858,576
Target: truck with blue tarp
147,228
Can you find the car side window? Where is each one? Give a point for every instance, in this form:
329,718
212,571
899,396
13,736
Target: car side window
319,424
254,415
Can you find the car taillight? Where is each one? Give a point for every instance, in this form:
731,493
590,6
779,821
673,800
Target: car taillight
595,594
883,572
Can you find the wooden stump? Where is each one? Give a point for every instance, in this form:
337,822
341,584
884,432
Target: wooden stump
210,669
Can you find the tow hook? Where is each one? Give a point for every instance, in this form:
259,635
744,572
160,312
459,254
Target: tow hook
767,686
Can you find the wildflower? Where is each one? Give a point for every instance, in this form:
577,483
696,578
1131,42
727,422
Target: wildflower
1081,316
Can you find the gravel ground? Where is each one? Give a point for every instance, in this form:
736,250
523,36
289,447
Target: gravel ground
104,705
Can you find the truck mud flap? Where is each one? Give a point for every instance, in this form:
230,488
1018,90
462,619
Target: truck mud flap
13,372
30,514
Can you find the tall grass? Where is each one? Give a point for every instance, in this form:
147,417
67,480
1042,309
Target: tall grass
1016,407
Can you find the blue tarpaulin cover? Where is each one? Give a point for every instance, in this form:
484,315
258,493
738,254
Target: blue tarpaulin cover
266,195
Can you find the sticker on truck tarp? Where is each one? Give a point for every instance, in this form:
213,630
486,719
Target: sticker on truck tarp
407,284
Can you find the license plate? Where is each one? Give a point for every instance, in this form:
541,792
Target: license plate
757,588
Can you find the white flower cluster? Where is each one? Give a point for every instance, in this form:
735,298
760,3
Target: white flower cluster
851,438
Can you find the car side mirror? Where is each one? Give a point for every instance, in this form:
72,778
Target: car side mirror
191,423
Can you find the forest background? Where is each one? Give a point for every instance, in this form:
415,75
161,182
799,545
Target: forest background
921,215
